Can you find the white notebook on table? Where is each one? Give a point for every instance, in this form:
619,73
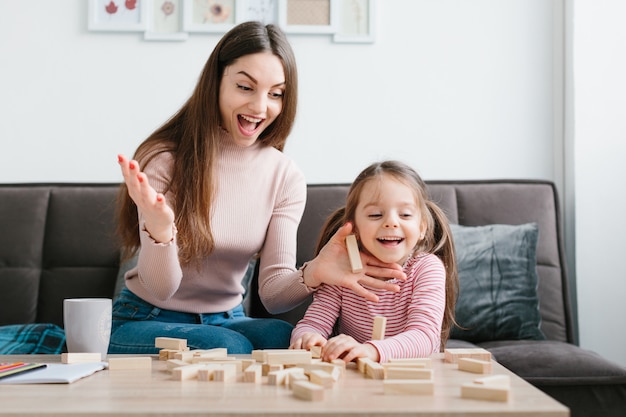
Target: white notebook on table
56,373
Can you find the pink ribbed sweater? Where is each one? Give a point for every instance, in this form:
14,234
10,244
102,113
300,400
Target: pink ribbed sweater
414,315
261,197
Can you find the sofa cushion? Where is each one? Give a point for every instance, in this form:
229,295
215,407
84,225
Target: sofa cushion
498,282
579,378
36,338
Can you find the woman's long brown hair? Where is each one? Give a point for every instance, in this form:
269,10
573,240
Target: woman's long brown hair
192,135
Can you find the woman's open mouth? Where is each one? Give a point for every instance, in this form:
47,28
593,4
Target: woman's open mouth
248,124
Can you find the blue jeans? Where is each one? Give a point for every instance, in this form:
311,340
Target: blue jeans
137,323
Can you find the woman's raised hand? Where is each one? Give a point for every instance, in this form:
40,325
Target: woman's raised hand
332,266
157,214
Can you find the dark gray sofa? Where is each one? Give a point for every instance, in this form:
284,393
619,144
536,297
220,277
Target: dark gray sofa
58,241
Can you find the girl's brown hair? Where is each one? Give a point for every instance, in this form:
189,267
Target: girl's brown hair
192,135
437,239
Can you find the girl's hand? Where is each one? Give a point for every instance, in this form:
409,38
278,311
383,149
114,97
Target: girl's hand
308,340
332,266
348,349
158,215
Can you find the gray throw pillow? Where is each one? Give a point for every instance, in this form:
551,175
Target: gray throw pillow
497,267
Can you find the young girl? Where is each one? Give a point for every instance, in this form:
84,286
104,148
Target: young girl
394,221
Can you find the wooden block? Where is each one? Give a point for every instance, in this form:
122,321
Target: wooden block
186,372
217,353
378,329
245,363
175,363
258,355
282,377
322,378
476,366
80,357
184,355
308,391
293,378
288,356
170,343
216,361
485,392
408,386
408,373
323,366
373,369
451,355
141,362
267,368
225,373
353,254
166,354
503,380
316,352
253,373
410,362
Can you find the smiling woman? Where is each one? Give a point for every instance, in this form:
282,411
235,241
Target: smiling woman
185,205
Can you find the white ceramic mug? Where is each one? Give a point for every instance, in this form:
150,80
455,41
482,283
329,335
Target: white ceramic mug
87,323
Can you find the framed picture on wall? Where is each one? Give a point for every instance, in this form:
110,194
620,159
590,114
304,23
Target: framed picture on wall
164,21
265,11
117,15
213,16
356,23
308,16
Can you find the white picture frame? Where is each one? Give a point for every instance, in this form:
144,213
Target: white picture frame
265,11
357,22
209,16
165,21
116,15
315,17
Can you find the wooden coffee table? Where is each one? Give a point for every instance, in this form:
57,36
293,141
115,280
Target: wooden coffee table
154,393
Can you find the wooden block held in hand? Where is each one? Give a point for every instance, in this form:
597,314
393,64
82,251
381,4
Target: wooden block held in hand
142,362
379,327
353,254
316,352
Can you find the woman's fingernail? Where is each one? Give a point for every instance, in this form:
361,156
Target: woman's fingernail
119,158
140,178
131,165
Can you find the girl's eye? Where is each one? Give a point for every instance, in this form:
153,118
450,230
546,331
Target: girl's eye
406,215
278,94
374,216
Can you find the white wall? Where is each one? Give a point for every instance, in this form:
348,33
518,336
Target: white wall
459,89
600,173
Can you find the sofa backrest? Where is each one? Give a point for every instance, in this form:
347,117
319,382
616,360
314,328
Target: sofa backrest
57,241
470,203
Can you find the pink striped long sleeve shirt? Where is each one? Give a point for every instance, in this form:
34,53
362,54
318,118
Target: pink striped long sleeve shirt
414,314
